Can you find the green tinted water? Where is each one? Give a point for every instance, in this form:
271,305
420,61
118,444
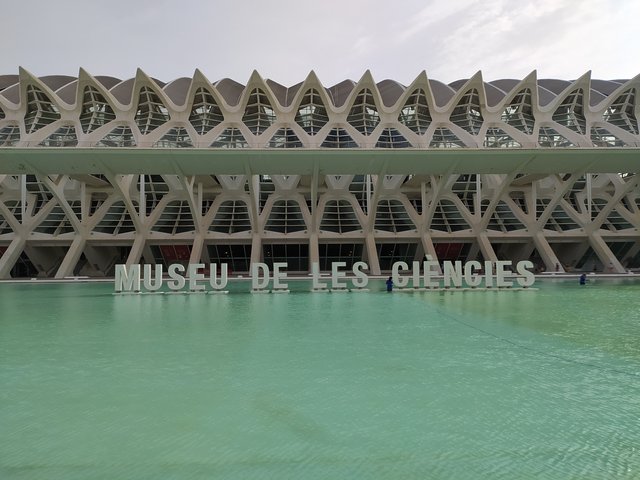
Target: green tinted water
464,385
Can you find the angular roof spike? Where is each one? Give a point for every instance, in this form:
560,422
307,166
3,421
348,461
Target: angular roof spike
463,88
27,77
513,87
196,81
477,77
297,91
141,76
23,73
564,89
571,85
312,77
198,76
85,79
421,77
421,81
367,77
255,78
584,77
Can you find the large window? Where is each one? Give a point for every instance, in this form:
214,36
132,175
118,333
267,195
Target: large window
237,257
339,252
389,253
296,255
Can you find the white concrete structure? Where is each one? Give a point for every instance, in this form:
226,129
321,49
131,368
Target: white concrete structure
96,171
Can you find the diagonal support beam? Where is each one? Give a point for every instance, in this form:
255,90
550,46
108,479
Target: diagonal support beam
620,193
57,190
11,256
71,258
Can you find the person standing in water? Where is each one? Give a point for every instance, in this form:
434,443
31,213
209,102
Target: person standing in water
389,284
583,279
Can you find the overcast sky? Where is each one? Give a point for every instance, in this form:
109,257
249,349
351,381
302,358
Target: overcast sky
339,39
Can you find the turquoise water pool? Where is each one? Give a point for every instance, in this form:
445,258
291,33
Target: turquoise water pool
438,385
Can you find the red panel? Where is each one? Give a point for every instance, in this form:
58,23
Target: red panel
168,253
183,252
448,251
175,253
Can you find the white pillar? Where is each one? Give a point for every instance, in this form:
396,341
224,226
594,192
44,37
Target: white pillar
71,258
372,254
142,207
136,250
546,253
314,250
11,256
609,261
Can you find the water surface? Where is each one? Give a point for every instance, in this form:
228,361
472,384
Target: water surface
451,385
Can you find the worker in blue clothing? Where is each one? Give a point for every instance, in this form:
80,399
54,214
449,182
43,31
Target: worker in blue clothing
389,284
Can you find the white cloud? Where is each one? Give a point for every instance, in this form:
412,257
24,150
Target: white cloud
432,14
285,39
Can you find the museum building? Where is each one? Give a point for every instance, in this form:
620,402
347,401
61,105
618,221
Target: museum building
97,171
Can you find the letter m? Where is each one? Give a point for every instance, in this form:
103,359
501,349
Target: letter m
127,280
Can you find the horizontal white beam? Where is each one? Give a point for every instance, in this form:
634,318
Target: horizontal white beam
74,161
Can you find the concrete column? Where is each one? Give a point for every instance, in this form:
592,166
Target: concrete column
204,255
136,250
372,254
609,261
473,251
256,248
11,256
486,248
71,258
430,249
546,253
196,248
314,250
147,255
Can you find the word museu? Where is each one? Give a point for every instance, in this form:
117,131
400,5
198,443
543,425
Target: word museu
426,275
